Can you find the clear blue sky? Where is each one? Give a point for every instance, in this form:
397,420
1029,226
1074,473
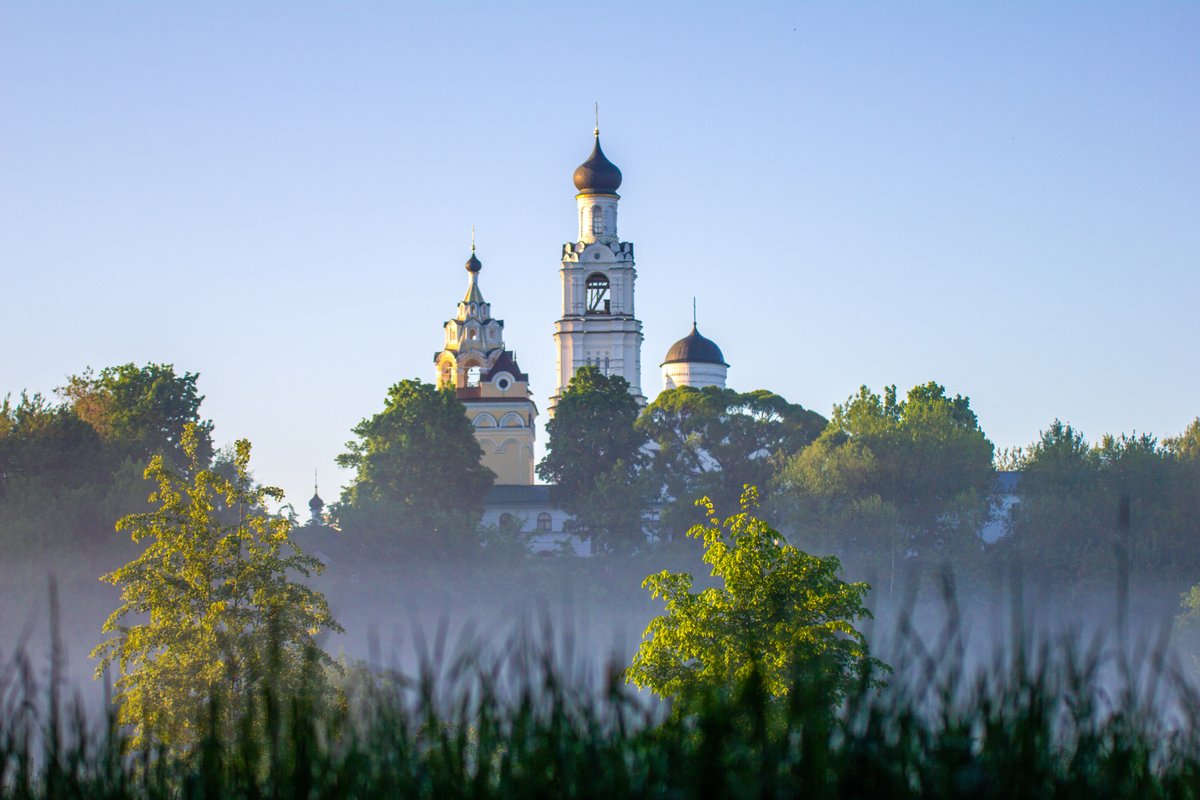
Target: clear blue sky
1004,198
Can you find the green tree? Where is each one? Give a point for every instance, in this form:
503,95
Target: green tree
713,441
141,411
912,476
210,608
777,612
46,443
594,455
1068,527
1186,446
418,470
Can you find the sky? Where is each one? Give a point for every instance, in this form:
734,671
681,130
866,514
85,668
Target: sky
1001,197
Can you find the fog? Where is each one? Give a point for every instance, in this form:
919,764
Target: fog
397,613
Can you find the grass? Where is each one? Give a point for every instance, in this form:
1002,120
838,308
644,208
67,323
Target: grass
1046,721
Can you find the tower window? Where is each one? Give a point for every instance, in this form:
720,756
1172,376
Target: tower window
597,221
597,294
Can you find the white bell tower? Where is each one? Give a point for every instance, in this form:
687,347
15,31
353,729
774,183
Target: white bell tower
598,327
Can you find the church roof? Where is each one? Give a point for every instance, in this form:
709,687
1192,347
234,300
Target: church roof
316,503
506,362
536,495
473,293
473,266
695,349
597,175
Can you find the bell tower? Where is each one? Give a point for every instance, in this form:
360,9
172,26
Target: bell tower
475,364
598,327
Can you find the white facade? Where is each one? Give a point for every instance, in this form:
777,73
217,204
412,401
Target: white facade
695,374
598,326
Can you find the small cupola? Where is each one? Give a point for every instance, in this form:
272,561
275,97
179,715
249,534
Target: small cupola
695,361
597,175
695,349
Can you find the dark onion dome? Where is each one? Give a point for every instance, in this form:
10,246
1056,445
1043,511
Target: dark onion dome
597,175
695,349
316,504
473,264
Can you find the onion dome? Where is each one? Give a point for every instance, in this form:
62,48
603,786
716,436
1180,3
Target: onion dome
695,349
473,264
316,504
597,175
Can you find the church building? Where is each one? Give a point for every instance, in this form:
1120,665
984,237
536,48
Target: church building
487,379
597,327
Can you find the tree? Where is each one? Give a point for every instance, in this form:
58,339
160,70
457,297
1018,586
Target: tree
418,469
919,469
1087,512
141,411
594,455
777,612
213,604
713,441
47,444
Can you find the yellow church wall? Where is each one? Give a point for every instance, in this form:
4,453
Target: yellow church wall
507,443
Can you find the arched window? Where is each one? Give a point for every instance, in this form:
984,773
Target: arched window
473,376
544,522
506,519
597,220
597,293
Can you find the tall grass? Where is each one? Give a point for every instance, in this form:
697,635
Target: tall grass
1054,719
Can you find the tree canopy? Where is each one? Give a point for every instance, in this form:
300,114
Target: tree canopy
713,442
894,478
210,607
43,442
418,469
141,411
776,611
1068,525
594,454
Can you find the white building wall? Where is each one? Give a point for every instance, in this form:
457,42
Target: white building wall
693,374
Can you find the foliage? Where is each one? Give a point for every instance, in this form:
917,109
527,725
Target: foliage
1187,626
916,472
1089,512
713,441
1186,446
45,442
777,612
418,470
520,725
141,411
209,608
594,455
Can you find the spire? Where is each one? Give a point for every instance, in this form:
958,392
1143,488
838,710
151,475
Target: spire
597,175
316,503
473,265
693,312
